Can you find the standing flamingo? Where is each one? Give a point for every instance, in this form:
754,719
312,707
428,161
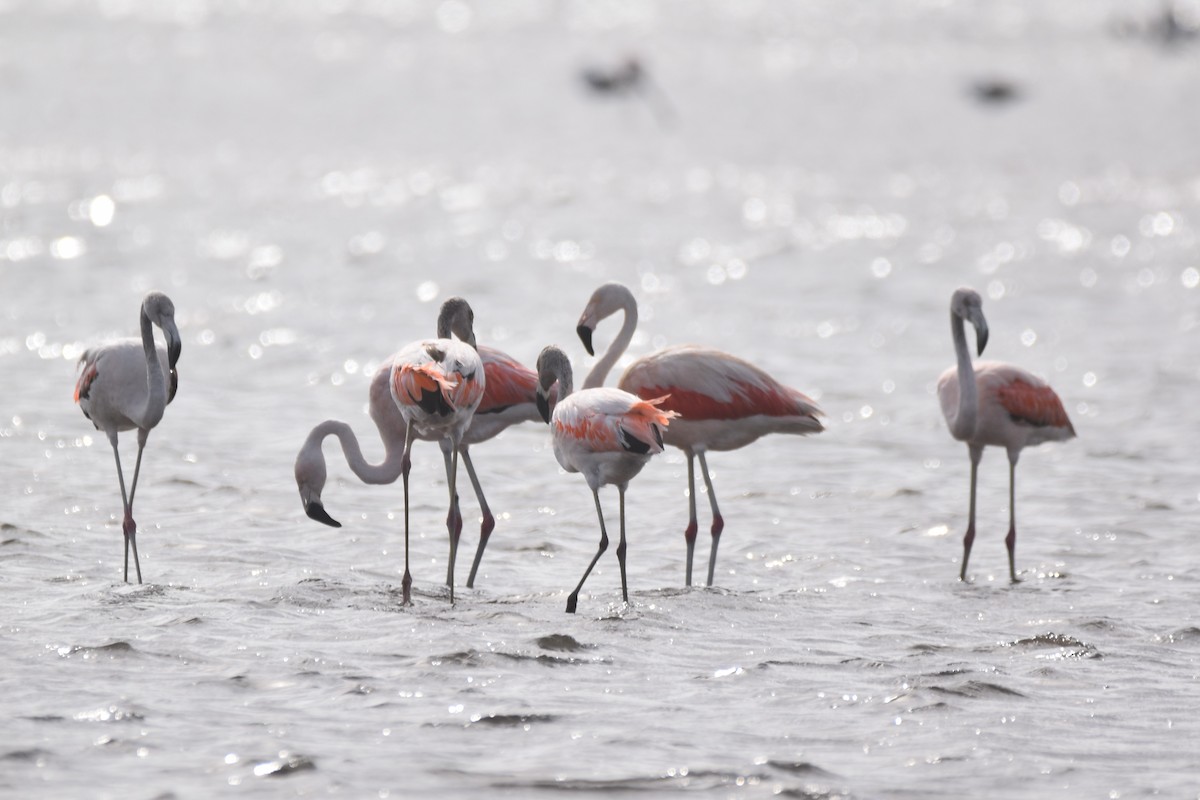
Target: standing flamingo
509,397
125,385
608,435
437,384
723,402
997,404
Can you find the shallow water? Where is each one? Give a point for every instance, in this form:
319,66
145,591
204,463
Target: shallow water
309,183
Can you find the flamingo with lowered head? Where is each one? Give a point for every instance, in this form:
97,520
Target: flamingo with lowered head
991,403
509,397
723,402
437,384
126,385
607,435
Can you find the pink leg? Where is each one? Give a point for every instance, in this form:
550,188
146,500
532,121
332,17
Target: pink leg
489,522
718,523
976,453
454,516
1010,541
621,547
405,468
689,535
573,598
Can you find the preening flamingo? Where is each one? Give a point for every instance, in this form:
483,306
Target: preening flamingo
997,404
126,385
437,384
509,397
723,402
608,435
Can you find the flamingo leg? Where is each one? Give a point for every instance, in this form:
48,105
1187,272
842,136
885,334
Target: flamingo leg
573,598
976,453
405,468
489,522
127,514
454,517
621,547
689,535
129,526
1010,541
718,523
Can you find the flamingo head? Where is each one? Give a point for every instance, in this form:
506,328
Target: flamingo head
966,304
552,367
159,309
310,480
456,317
604,302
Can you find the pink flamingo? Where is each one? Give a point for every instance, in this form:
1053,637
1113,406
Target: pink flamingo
508,398
606,434
437,384
126,385
997,404
723,402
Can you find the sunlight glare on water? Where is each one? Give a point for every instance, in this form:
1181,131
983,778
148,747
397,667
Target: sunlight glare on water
802,185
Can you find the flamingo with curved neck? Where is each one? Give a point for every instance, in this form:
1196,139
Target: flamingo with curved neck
992,403
723,402
123,386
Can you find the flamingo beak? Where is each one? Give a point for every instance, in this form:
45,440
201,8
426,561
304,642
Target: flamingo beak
981,333
174,348
585,336
316,511
543,405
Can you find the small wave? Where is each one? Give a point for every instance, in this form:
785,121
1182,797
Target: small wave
511,720
282,766
33,754
801,768
111,650
977,689
1068,646
562,642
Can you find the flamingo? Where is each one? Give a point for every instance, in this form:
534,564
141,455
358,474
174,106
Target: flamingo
608,435
436,385
723,402
508,398
997,404
127,384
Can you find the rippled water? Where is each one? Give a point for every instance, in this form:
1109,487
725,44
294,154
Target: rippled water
308,182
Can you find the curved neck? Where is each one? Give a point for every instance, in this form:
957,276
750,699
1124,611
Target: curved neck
600,371
968,392
387,471
156,384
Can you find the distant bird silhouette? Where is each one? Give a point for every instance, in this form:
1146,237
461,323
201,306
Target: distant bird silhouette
992,403
509,397
126,385
437,384
995,91
607,435
630,78
723,402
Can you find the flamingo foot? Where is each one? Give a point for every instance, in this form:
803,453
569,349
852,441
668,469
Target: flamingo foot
406,588
129,528
572,601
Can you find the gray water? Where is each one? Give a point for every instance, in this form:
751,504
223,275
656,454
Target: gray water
309,181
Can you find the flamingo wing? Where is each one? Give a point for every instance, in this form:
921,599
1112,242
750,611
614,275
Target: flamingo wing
710,384
1032,404
84,385
613,421
507,382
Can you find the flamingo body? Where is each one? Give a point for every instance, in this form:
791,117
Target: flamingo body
990,403
606,435
126,385
723,402
508,398
436,385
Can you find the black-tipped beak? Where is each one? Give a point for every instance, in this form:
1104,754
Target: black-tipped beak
174,348
543,406
316,511
585,336
981,337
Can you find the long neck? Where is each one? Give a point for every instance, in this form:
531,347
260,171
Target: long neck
600,371
387,471
156,384
968,393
